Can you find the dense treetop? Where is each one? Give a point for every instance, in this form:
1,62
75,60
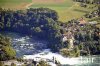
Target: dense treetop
6,51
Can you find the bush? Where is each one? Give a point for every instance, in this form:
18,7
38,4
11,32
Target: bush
1,63
43,63
12,64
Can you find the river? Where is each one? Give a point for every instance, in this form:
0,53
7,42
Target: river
31,48
24,44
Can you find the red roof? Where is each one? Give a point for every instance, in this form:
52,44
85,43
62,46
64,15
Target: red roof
82,21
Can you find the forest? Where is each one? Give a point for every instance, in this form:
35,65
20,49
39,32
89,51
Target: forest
6,50
70,39
43,23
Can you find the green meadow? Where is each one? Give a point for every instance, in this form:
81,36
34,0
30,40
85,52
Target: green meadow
14,4
67,9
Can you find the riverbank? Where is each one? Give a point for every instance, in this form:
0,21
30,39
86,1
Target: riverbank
74,61
46,54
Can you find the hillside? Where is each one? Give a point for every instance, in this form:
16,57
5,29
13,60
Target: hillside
48,1
14,4
45,32
66,9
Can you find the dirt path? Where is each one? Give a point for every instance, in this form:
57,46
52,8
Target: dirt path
28,5
76,4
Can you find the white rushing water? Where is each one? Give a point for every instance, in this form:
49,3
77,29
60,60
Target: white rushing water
24,44
30,48
48,55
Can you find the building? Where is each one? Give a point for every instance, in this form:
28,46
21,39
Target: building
81,21
93,22
68,37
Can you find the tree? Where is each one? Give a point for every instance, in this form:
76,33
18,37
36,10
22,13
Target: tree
81,46
77,51
99,10
1,63
9,52
88,50
37,29
6,51
12,64
64,52
43,63
24,65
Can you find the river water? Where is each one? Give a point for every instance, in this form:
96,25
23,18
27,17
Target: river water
24,44
86,61
32,47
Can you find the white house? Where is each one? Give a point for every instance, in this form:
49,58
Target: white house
93,22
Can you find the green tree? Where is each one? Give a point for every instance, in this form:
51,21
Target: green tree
99,10
12,64
1,63
81,46
9,51
6,51
43,63
77,51
37,29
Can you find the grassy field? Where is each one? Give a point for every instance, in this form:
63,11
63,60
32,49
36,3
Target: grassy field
14,4
67,9
48,1
62,8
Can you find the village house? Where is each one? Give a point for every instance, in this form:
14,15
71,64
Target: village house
93,22
81,21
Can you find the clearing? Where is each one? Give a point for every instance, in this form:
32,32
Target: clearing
67,9
14,4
